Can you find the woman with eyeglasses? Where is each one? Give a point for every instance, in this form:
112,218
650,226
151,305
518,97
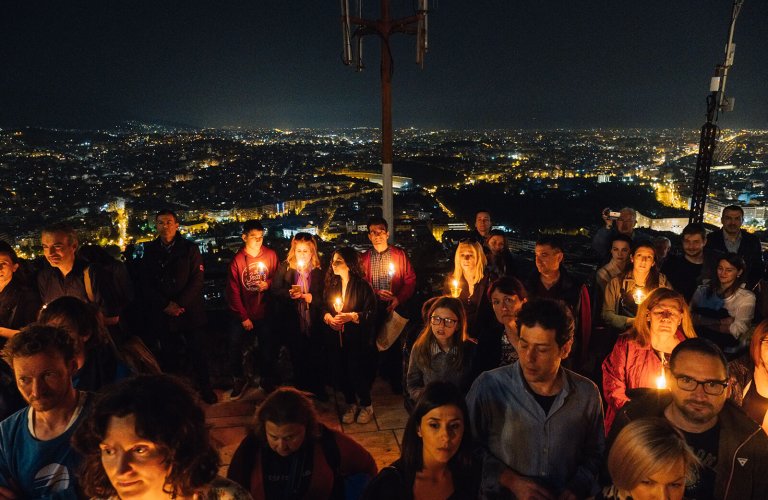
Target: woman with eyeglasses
469,283
442,351
640,356
749,377
625,292
498,346
723,309
298,287
349,306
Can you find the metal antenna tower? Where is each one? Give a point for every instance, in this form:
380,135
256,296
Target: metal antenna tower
716,102
383,28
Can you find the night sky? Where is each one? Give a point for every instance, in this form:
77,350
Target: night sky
277,63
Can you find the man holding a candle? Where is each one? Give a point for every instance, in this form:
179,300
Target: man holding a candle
250,277
389,271
733,449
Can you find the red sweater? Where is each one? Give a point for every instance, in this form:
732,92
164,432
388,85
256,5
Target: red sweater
243,296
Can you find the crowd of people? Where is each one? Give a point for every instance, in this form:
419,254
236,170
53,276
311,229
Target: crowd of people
647,381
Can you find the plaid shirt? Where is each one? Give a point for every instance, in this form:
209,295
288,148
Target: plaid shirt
380,279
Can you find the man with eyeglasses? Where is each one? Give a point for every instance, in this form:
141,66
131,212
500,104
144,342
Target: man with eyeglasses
171,274
539,426
389,271
733,449
249,279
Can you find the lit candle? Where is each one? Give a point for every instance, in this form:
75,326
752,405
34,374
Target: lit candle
338,304
455,290
391,274
661,380
300,265
639,296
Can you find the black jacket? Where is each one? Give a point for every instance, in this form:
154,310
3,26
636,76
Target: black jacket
173,276
360,298
742,460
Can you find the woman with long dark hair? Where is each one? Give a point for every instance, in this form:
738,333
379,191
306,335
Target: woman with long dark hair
436,461
349,304
626,292
298,286
442,351
723,309
749,377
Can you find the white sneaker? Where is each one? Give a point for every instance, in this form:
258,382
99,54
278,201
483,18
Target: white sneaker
365,415
349,415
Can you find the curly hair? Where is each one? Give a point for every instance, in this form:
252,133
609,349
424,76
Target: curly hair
35,338
165,413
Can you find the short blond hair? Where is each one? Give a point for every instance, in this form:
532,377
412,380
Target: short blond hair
646,447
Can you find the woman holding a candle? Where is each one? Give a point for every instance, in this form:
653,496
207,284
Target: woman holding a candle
723,309
626,292
298,286
749,376
639,357
349,305
469,284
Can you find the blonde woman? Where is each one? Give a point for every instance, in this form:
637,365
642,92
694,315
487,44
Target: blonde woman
298,287
649,460
469,284
640,355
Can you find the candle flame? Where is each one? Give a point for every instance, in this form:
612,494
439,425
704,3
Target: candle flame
455,283
661,382
300,264
639,296
391,269
338,301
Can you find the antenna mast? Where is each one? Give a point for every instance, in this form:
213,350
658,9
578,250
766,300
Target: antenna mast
383,28
716,102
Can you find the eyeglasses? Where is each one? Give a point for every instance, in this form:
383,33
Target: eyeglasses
448,322
711,387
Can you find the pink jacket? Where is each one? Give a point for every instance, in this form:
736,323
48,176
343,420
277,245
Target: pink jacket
628,366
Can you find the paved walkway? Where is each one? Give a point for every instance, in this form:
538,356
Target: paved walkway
230,420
